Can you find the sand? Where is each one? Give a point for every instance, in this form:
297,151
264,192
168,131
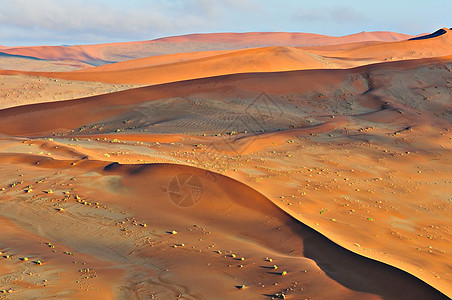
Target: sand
192,65
16,90
277,177
101,54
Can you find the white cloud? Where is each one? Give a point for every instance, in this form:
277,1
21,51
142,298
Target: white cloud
339,14
95,21
80,18
77,15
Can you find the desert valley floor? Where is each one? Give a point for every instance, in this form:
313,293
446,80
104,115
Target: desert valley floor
228,166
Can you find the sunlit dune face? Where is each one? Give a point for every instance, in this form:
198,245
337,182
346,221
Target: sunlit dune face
228,166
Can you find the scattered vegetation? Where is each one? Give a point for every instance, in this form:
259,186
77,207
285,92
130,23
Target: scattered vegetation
279,296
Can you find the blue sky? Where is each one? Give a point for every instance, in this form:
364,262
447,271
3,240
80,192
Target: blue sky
58,22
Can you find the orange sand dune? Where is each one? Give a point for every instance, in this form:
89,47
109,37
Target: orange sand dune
365,99
74,53
19,62
224,237
421,48
114,52
152,71
158,60
324,183
178,67
74,113
253,39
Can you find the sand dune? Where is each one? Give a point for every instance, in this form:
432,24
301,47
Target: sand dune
437,45
104,107
263,39
115,52
152,71
432,35
74,53
365,97
19,90
178,67
19,62
271,172
227,213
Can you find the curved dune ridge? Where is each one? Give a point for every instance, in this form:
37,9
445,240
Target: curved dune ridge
432,35
151,71
43,119
185,66
114,52
264,165
286,38
436,45
238,220
154,114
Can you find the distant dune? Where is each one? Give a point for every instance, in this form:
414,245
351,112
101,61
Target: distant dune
231,166
263,39
184,66
156,70
138,111
435,45
432,35
107,53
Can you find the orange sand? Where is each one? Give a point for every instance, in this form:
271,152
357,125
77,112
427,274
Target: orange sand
327,169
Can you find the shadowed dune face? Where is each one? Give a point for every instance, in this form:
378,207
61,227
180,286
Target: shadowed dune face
237,220
327,183
432,35
385,101
20,62
115,52
241,210
206,105
191,66
186,66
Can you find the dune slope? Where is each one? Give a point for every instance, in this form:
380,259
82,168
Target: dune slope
151,71
277,170
115,52
185,66
366,118
162,241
